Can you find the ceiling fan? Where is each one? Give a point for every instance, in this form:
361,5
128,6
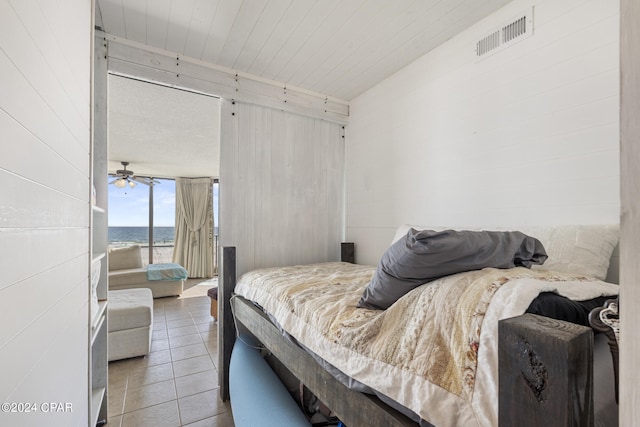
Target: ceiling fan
126,177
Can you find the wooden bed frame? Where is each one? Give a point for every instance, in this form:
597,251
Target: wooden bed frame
545,373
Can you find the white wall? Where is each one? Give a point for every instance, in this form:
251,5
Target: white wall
527,136
44,207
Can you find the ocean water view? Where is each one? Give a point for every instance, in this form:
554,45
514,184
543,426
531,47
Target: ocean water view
120,236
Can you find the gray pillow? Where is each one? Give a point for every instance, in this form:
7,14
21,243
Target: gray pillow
423,256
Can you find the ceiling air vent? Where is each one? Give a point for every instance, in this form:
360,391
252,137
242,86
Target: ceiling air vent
511,32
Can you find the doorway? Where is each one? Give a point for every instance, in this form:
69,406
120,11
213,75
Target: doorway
162,133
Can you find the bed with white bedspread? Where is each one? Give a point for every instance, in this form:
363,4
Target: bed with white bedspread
433,353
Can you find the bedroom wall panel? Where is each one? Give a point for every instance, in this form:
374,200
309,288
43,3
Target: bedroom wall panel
630,215
281,181
44,209
53,85
528,135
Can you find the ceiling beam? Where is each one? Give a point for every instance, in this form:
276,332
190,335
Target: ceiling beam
135,60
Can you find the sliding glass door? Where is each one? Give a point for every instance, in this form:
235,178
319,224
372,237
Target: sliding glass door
144,215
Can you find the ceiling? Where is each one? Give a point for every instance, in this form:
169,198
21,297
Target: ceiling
162,132
338,48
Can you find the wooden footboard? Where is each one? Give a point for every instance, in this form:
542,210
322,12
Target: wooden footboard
545,366
545,372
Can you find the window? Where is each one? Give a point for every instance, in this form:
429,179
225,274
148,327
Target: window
129,219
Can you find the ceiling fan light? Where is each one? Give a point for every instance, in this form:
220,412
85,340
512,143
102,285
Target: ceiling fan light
121,183
132,184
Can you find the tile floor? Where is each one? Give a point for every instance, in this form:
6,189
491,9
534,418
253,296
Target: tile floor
177,383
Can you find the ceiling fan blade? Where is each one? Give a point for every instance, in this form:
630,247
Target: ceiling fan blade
144,181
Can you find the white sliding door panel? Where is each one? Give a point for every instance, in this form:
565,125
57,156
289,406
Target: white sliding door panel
281,186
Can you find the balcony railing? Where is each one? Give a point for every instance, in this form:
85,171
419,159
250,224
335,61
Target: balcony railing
163,253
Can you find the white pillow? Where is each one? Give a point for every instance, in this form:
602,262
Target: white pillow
577,249
574,249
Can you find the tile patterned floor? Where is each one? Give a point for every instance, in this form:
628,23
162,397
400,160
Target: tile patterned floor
177,383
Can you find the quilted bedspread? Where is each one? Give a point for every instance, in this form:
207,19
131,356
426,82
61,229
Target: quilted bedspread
434,351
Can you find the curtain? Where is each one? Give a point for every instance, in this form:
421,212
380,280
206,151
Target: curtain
194,226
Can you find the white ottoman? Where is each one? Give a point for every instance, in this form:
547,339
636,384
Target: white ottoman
130,323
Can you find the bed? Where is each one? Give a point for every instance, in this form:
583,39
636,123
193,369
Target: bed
431,355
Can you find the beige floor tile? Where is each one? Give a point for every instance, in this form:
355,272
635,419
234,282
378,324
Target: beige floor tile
221,420
192,365
123,365
200,406
159,326
193,350
184,330
158,302
160,334
177,314
118,376
174,307
184,340
204,307
201,311
210,335
149,395
212,347
157,345
178,323
205,318
158,307
207,327
150,374
115,400
161,415
157,358
114,421
200,300
197,383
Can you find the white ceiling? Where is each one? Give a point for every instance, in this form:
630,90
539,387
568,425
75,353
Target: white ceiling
335,47
338,48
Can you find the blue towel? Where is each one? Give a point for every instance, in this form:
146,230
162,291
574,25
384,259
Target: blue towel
168,271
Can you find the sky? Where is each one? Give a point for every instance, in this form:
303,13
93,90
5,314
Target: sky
130,206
